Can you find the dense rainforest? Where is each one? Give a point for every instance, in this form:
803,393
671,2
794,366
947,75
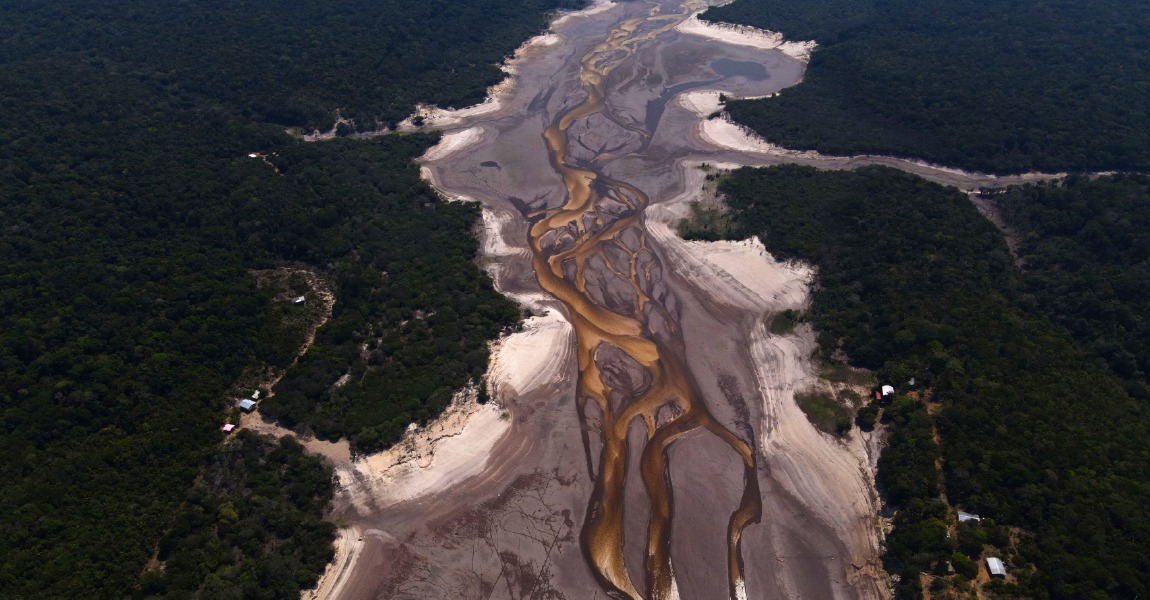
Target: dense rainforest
988,85
1036,433
414,313
292,62
132,219
250,528
1085,253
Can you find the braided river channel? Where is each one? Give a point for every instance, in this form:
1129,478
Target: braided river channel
644,441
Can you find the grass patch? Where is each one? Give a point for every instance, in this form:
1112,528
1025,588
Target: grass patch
708,223
838,372
784,323
825,412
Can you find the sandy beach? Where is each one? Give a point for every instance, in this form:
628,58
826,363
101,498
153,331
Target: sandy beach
427,460
721,132
453,142
743,35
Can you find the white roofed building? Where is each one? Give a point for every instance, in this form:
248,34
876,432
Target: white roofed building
965,516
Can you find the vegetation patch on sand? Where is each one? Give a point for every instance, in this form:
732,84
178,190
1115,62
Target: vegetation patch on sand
825,411
784,323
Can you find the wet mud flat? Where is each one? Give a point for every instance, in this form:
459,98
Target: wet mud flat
648,445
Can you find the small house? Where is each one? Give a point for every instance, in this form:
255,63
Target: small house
995,566
228,427
887,390
247,405
298,299
965,516
256,395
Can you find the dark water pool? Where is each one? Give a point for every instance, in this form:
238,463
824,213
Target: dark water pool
735,68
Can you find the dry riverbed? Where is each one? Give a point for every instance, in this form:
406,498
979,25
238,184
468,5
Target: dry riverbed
527,497
643,440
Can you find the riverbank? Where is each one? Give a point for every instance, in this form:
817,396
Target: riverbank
744,35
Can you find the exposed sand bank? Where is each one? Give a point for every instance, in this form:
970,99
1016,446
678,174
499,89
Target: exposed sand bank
538,355
505,260
594,8
724,133
453,142
348,544
692,179
741,270
741,273
743,35
832,477
454,448
494,237
779,286
429,176
451,448
436,117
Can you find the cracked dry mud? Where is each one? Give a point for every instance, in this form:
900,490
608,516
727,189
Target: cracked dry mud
656,451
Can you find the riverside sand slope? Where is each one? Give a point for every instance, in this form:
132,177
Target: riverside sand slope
646,443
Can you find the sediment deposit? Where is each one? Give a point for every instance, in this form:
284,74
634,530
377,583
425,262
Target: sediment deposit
643,440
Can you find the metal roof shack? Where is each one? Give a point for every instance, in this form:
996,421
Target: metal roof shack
298,300
965,516
227,428
887,390
995,566
247,405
